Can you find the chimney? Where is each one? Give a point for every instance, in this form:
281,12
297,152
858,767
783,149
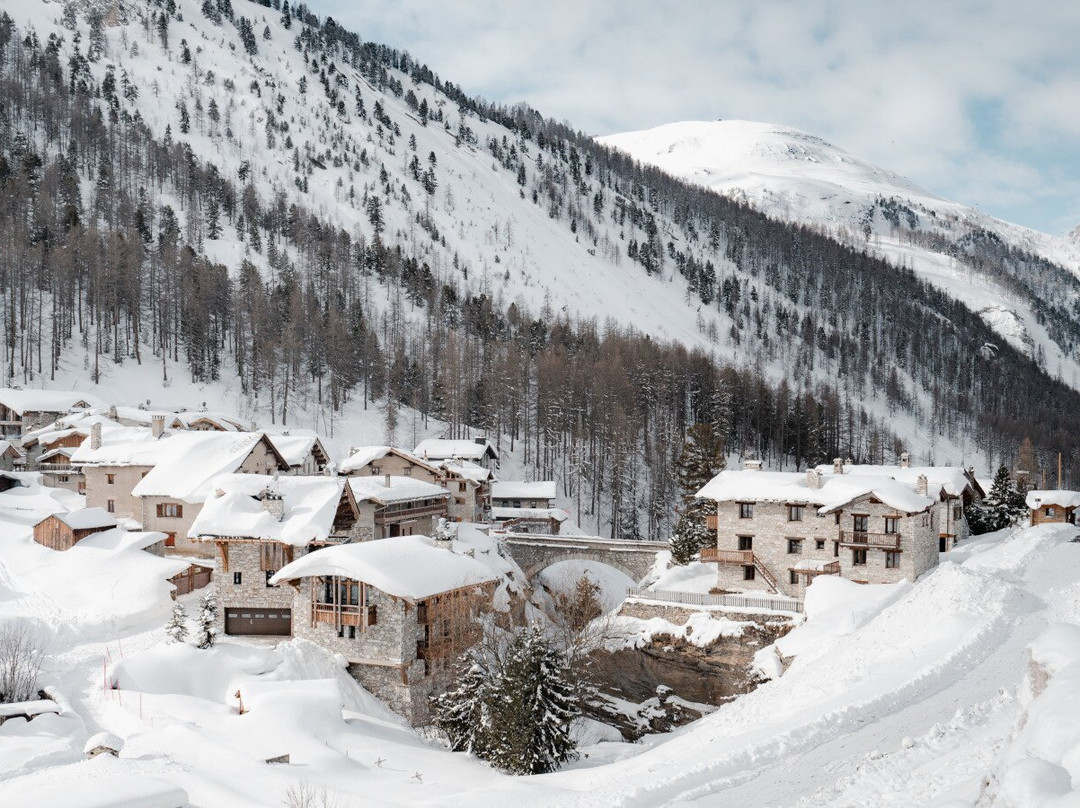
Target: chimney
157,425
921,484
95,436
752,465
112,412
273,504
386,478
905,460
813,479
443,536
837,466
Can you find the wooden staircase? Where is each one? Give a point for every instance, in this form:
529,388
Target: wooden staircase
768,577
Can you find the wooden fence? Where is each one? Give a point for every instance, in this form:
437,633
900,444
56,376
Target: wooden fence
704,599
194,577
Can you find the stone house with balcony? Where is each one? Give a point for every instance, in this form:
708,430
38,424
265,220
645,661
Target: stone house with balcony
400,611
469,485
258,525
396,506
1048,507
779,530
954,490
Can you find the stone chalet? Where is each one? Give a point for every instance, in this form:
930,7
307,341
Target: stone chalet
953,488
400,611
477,450
378,461
526,507
258,524
305,454
1052,507
396,506
159,478
24,410
777,531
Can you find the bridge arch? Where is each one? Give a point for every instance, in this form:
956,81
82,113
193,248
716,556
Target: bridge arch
540,566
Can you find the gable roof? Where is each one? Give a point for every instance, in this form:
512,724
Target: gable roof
516,489
1040,498
443,449
836,490
362,456
401,489
952,479
234,508
466,470
188,461
296,448
23,401
87,518
408,567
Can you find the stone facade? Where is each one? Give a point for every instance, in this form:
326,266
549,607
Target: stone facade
534,553
252,591
396,466
781,535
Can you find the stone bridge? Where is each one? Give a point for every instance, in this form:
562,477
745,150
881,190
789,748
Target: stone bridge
533,552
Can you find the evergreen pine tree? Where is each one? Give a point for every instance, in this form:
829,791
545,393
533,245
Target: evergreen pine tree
462,713
702,458
535,705
206,635
176,629
1002,506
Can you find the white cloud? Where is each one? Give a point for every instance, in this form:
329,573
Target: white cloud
934,91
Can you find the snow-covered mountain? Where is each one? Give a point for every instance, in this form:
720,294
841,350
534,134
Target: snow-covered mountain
798,177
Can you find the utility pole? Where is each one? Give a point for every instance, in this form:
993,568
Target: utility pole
1059,471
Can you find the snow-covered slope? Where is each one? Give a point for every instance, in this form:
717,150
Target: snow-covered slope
798,177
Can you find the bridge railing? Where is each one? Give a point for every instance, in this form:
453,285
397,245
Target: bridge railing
705,599
558,538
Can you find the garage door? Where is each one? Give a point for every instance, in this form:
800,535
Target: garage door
277,622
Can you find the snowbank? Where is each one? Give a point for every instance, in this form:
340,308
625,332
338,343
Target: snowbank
701,629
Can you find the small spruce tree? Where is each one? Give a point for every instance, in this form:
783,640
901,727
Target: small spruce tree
702,458
462,713
206,635
1003,506
176,629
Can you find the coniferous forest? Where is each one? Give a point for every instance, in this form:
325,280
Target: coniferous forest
110,231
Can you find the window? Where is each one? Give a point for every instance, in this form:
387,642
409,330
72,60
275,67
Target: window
892,560
1049,511
407,471
926,520
746,542
860,523
173,510
110,505
461,488
836,549
891,524
957,513
819,544
110,479
746,510
269,575
748,573
352,632
794,546
858,558
794,513
237,578
515,503
62,478
374,471
793,577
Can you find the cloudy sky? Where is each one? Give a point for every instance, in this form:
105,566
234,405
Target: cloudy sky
976,101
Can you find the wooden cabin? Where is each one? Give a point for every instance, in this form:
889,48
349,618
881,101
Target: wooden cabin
62,531
1052,507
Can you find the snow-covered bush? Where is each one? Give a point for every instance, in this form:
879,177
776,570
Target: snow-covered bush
176,629
20,662
206,633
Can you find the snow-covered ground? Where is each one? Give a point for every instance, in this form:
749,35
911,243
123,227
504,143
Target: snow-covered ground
959,689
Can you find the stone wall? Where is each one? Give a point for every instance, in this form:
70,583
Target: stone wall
125,478
180,525
252,590
396,467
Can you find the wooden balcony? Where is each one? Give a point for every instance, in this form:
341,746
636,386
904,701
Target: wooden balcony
857,539
710,521
712,554
387,516
832,568
359,616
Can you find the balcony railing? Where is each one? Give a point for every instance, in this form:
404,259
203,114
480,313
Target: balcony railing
861,538
710,521
388,516
360,616
65,468
832,568
713,554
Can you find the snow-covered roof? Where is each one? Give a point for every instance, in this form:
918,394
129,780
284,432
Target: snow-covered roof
118,539
296,448
401,489
37,499
1037,498
29,708
465,469
233,508
189,461
515,489
121,446
791,487
7,447
85,518
952,479
408,567
443,449
60,451
105,739
22,401
502,514
361,456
